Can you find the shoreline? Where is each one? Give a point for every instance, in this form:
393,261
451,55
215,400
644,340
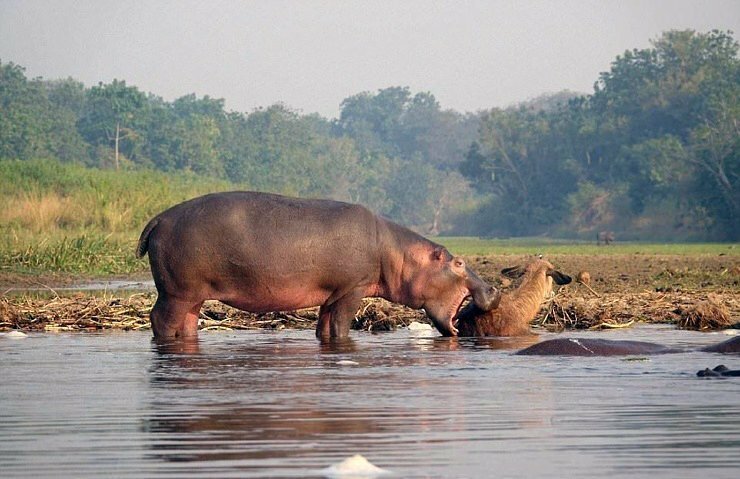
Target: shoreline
703,290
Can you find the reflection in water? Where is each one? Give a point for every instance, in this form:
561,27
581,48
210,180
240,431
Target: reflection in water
262,404
291,402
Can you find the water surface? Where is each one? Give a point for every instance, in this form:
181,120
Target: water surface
279,404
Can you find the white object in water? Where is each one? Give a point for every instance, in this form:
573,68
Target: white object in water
416,326
347,362
15,334
355,467
730,332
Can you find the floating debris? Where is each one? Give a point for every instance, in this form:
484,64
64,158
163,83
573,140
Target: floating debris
15,334
347,362
354,467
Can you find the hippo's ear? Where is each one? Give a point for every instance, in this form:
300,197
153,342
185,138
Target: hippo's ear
439,254
513,272
559,277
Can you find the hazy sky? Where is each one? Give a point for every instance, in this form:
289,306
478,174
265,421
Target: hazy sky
312,54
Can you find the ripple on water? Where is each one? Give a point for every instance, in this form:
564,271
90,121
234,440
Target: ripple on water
259,404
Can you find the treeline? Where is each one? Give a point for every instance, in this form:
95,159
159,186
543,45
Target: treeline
652,153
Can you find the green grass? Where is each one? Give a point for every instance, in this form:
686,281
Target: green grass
518,246
66,219
87,254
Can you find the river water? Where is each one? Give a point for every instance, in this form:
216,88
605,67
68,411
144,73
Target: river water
280,404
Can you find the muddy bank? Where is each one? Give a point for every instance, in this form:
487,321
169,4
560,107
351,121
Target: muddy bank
701,292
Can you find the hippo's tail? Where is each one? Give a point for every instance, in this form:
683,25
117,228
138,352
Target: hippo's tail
143,245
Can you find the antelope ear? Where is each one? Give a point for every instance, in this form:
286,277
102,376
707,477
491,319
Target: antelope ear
513,272
559,277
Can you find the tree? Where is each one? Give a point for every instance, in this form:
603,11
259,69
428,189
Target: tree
116,114
518,162
30,124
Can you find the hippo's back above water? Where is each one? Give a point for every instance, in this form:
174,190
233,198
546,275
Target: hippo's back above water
610,347
593,347
728,347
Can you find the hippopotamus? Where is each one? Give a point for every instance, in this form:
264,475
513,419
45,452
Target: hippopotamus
732,345
718,372
610,347
263,252
593,347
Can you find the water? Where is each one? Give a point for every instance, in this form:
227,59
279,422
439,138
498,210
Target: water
102,286
279,404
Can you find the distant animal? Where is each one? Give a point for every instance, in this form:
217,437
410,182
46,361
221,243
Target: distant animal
583,277
604,237
261,252
517,308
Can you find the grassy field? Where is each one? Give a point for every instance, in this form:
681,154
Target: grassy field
519,246
65,220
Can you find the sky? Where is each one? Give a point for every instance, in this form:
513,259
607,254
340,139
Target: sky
312,54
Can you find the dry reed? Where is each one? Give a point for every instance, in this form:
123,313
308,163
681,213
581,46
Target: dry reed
91,313
704,316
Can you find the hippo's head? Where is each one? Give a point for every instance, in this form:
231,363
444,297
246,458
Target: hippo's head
444,284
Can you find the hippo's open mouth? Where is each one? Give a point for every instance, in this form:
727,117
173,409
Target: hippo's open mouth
452,321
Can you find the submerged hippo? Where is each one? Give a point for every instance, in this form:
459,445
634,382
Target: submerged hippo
611,347
730,346
717,372
593,347
262,252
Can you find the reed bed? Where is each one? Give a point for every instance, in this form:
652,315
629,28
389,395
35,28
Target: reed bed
86,312
571,308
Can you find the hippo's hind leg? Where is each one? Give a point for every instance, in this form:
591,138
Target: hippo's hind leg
173,318
335,317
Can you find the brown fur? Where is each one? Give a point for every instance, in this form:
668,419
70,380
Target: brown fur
516,308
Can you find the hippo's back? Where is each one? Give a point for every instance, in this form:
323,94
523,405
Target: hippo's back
592,347
223,244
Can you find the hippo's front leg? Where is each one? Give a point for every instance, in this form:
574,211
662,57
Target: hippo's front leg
335,317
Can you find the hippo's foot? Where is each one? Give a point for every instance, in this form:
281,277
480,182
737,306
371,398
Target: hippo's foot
718,372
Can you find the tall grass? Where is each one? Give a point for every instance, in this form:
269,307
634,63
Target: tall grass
57,217
42,196
81,254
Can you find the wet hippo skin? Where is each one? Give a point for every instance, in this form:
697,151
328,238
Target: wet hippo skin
730,346
718,372
261,252
593,347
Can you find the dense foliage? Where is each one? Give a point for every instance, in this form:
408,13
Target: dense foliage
652,153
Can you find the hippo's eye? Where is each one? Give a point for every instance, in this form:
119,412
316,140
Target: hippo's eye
459,263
